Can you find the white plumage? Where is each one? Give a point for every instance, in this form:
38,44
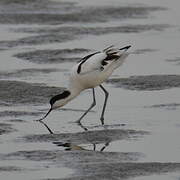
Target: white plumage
93,72
89,72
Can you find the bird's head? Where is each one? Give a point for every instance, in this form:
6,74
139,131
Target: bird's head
58,101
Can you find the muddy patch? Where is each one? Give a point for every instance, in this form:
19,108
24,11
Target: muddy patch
175,61
86,149
5,128
147,83
64,157
51,12
37,39
28,72
52,56
98,30
119,170
170,106
18,113
10,169
97,165
92,137
63,34
143,51
31,11
18,92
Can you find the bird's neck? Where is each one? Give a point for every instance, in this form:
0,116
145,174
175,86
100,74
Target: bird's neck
74,88
74,92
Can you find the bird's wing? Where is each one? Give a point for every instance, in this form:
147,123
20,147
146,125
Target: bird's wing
100,61
115,56
87,57
91,63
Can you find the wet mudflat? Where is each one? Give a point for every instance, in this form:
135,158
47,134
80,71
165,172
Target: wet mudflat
148,82
40,41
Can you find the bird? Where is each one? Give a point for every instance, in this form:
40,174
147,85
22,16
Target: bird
88,73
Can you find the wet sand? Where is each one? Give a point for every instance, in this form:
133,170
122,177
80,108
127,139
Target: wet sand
147,83
39,41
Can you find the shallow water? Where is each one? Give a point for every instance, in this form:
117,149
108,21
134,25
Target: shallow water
40,41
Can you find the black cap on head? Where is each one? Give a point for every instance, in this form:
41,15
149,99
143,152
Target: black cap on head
63,95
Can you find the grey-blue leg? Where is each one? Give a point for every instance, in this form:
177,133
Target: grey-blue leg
105,102
92,105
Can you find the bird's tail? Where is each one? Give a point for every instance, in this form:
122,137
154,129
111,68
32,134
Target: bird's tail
116,55
112,50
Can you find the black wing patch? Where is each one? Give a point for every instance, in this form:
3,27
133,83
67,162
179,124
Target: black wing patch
83,60
103,63
125,48
63,95
111,57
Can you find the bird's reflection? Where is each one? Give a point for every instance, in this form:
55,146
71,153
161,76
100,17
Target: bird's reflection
70,146
51,132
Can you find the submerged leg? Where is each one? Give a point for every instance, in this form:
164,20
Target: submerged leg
105,102
92,105
45,115
50,131
105,145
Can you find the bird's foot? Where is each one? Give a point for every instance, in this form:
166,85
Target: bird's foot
102,120
38,120
79,123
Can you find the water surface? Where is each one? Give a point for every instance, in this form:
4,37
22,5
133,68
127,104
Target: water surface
40,41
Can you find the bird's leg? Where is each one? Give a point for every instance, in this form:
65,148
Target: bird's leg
94,147
92,105
105,145
83,127
105,102
50,131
